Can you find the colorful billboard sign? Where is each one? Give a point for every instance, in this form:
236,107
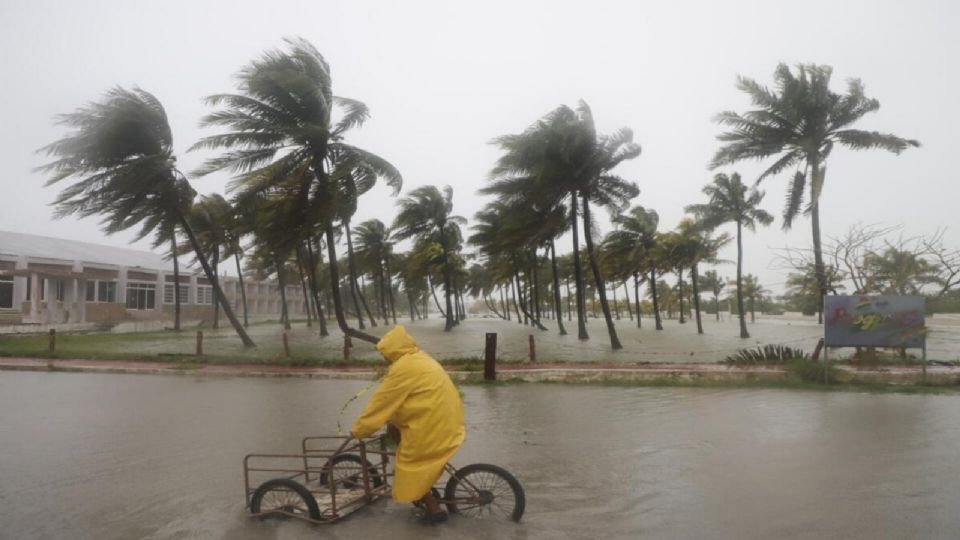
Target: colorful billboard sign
874,321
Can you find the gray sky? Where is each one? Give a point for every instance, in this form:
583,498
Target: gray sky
443,78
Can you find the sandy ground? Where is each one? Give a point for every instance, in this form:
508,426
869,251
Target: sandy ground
675,344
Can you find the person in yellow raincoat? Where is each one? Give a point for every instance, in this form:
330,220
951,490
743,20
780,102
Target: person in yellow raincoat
418,398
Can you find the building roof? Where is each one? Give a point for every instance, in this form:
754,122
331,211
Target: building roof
33,245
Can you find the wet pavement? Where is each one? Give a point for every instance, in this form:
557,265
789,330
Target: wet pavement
129,456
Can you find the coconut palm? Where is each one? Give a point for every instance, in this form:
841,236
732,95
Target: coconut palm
899,271
562,156
282,132
120,159
697,245
426,214
754,291
375,249
715,284
633,243
211,217
732,201
798,123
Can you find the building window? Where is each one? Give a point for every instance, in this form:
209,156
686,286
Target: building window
101,291
168,293
6,292
141,295
204,294
106,291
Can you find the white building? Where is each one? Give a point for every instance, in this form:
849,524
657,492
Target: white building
47,280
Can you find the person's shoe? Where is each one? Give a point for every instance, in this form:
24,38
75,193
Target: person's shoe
439,517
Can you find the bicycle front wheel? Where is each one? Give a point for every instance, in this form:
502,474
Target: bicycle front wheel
482,490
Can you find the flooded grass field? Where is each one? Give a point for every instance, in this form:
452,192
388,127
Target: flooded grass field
676,343
91,456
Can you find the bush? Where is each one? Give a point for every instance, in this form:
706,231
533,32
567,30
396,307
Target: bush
811,371
767,354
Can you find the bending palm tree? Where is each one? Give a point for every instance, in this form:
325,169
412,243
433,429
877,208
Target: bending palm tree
426,214
283,133
799,123
121,160
730,200
632,243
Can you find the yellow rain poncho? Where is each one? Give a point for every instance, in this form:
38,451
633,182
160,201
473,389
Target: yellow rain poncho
419,397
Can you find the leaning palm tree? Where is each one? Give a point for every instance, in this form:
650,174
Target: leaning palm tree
211,219
375,249
427,215
632,243
799,123
121,160
282,132
698,246
732,201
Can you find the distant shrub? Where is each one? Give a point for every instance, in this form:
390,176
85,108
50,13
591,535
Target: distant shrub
811,371
767,354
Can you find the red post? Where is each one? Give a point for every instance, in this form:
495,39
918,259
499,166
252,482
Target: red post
199,342
490,358
286,345
533,350
52,340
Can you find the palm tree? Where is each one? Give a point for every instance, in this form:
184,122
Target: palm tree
375,249
562,156
633,243
211,220
753,291
427,215
799,123
121,159
697,245
282,133
731,200
899,271
715,284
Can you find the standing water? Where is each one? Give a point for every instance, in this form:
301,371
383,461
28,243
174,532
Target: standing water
126,456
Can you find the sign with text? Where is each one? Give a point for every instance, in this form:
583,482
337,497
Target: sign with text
874,321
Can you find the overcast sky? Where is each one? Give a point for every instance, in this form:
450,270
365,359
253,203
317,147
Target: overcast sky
443,78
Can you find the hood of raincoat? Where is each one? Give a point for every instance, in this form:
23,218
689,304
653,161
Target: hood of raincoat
396,344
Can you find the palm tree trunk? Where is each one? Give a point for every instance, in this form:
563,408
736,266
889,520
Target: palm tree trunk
616,303
626,298
516,303
556,289
433,292
753,317
818,178
176,284
303,287
601,290
212,277
526,312
569,314
446,282
411,303
382,297
680,289
315,261
354,288
716,302
577,271
389,276
335,292
636,295
243,290
216,292
282,283
503,304
743,322
536,286
656,305
696,297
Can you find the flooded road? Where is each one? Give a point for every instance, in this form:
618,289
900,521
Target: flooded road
127,456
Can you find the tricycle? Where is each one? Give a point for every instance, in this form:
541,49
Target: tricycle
333,476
